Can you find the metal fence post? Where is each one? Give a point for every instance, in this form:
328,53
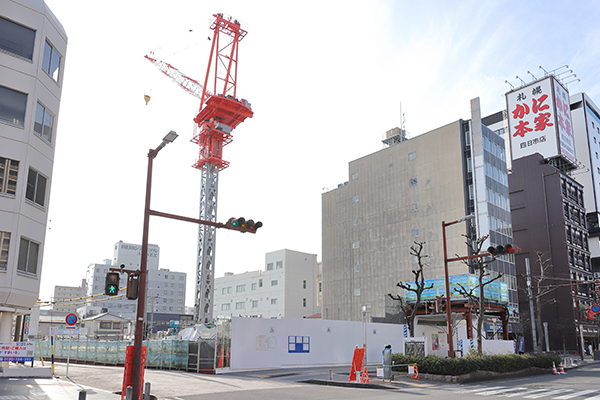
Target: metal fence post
129,393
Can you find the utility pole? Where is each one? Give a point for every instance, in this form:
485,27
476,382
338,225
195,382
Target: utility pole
531,313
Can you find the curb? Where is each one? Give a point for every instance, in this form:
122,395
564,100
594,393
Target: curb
346,384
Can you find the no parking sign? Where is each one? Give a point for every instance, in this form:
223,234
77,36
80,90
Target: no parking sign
71,319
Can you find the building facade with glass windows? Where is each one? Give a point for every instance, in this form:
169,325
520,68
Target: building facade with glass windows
401,195
288,286
33,46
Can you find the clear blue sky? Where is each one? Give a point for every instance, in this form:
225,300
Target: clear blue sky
325,79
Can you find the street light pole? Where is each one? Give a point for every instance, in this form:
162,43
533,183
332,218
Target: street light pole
136,367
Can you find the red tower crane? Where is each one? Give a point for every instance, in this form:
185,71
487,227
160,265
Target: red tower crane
220,112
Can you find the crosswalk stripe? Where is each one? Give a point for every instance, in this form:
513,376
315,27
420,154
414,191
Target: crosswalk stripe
538,395
593,398
577,394
523,393
481,389
490,392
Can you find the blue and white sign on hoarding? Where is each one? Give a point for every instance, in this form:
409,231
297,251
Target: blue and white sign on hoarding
16,351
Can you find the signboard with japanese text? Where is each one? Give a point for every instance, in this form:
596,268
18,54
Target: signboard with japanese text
563,120
16,351
539,120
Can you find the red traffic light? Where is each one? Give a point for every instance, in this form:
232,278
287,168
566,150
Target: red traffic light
502,250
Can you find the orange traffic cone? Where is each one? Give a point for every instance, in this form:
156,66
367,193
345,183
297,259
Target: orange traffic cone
561,370
362,378
415,374
554,372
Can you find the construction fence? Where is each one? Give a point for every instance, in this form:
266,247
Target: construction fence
164,354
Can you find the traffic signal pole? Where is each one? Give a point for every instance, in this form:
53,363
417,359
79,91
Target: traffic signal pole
136,368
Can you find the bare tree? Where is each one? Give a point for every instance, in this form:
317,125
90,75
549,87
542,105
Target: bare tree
480,265
410,311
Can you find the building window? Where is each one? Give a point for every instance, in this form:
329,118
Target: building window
12,106
413,181
304,284
355,199
279,265
240,305
415,232
51,62
260,283
414,206
269,266
356,267
4,245
28,256
273,301
303,302
254,303
357,292
9,170
116,325
225,307
412,156
356,245
44,121
240,288
355,222
253,287
274,282
105,325
355,176
16,39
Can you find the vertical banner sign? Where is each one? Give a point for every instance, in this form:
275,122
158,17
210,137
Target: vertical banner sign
563,120
539,120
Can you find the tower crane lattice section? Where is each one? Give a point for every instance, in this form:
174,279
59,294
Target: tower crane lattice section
220,113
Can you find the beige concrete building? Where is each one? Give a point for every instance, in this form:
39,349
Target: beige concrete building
400,195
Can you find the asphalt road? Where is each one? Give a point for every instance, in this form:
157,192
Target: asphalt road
101,383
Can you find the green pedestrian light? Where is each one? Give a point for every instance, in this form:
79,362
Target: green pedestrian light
111,285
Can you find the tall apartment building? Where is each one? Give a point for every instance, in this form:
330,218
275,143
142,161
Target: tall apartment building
33,46
66,299
401,195
287,287
585,116
165,288
549,217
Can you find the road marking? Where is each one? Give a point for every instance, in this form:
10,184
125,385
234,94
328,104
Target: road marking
523,393
490,392
576,394
481,389
537,396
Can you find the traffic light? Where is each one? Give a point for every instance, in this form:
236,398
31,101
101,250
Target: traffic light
243,225
111,285
132,286
502,250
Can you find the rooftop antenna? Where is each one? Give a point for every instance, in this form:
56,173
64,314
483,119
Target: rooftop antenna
534,78
521,80
569,76
402,119
511,86
545,72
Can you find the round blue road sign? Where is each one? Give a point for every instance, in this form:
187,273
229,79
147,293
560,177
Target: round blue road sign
71,319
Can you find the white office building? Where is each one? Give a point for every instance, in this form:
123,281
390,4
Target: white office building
288,286
66,299
165,288
33,46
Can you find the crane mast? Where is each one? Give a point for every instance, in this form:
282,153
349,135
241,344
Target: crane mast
220,113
